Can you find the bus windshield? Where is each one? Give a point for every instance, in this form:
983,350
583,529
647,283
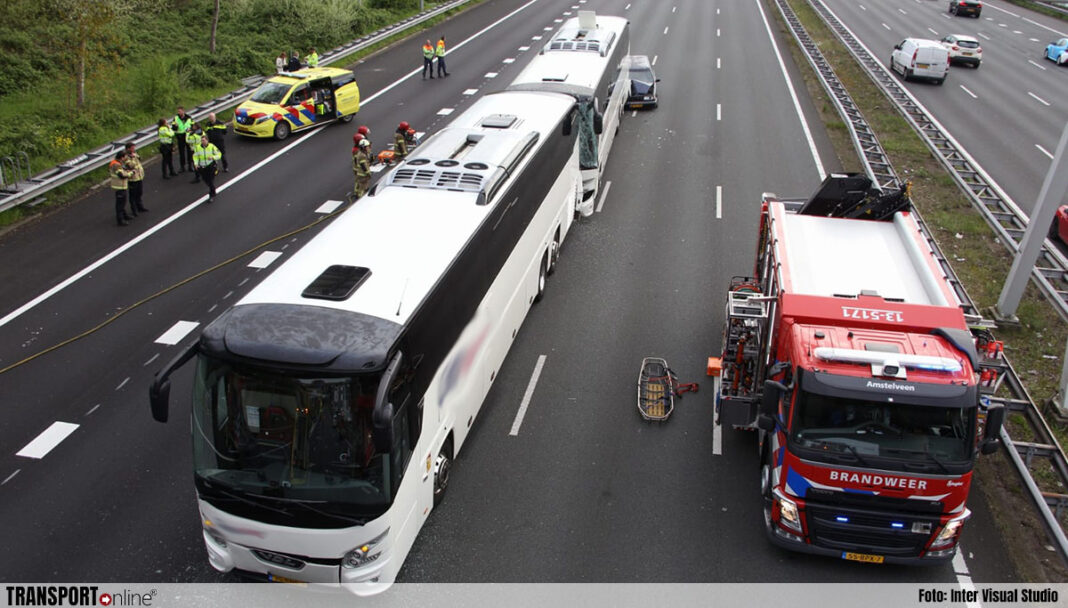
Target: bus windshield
900,432
271,92
278,442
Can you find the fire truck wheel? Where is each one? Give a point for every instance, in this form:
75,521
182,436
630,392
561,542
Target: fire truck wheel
765,491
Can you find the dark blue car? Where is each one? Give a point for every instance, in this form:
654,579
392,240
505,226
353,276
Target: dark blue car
643,81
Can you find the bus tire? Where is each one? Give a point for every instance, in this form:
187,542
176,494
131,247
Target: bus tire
554,252
543,274
442,467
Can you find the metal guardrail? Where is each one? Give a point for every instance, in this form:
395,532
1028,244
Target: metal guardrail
26,190
879,169
1001,212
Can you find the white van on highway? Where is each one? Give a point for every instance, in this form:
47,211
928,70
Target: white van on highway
920,58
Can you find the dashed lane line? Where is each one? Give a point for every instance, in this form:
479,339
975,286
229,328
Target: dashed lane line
527,397
47,440
177,332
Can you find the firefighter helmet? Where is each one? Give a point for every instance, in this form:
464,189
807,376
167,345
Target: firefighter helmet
363,130
364,143
356,139
403,126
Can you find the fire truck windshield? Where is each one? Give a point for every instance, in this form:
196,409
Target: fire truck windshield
893,433
287,449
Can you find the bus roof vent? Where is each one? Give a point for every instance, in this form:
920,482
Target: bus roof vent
554,78
499,121
336,282
587,20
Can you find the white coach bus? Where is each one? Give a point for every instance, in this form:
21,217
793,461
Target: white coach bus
584,59
330,401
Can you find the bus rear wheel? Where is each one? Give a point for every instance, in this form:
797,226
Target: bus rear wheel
543,272
442,466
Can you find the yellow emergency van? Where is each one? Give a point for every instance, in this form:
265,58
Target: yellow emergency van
291,101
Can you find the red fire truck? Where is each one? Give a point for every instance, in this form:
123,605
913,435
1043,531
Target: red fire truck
849,351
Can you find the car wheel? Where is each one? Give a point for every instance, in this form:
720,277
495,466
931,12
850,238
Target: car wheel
907,74
977,63
281,130
442,466
941,81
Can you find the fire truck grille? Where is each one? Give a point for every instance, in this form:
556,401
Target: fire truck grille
868,532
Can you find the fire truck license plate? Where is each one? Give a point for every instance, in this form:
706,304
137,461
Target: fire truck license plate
863,557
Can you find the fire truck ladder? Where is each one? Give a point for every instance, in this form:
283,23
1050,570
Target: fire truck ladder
1008,223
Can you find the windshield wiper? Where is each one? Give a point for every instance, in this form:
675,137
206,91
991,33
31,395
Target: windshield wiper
926,453
307,504
856,454
233,496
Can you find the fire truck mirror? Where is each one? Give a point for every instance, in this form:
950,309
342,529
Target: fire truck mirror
765,423
995,417
769,404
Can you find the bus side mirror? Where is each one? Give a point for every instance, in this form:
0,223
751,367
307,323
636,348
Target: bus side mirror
565,130
995,418
598,122
159,395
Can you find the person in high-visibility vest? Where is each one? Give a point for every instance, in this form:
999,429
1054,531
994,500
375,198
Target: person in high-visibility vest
440,53
136,183
313,59
217,135
119,175
206,158
361,166
166,148
182,123
428,60
192,138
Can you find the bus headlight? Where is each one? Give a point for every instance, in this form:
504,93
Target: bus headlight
949,532
788,514
365,553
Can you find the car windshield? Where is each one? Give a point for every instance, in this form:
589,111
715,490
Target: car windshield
271,92
899,431
641,74
262,437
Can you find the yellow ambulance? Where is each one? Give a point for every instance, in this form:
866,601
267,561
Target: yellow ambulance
291,101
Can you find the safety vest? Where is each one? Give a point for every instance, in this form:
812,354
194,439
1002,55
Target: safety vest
204,156
313,60
441,48
118,175
134,166
166,135
216,130
192,139
183,125
428,51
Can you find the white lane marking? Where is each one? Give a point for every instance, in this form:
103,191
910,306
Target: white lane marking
328,207
535,37
1040,100
527,396
902,11
674,8
1058,32
964,578
1041,67
633,113
149,362
654,59
548,28
1033,39
984,36
524,49
932,31
243,281
719,202
719,112
1002,25
558,20
717,429
47,440
508,60
265,259
886,26
470,91
123,383
717,11
491,74
862,7
213,307
604,195
666,30
236,179
1044,151
717,32
445,111
228,294
717,63
1002,10
177,332
974,96
92,410
793,94
1016,32
626,8
10,477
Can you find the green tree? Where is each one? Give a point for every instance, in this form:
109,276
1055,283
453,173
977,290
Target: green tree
91,37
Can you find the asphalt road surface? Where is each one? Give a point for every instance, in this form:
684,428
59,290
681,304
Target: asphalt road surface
586,492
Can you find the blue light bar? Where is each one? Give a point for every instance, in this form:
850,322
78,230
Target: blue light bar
842,519
896,524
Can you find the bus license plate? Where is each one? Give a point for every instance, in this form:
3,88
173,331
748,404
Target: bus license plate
863,557
274,578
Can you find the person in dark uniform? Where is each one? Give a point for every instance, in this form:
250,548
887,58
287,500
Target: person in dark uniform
119,175
217,135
